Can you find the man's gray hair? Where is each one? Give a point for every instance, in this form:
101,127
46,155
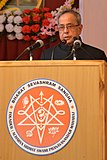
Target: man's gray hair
75,13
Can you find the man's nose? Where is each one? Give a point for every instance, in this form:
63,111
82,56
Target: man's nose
65,29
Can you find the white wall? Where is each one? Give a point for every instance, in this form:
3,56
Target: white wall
94,14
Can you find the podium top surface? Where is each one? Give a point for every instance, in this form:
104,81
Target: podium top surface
53,62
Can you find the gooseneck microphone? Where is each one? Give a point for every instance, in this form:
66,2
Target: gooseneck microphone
37,44
76,44
64,41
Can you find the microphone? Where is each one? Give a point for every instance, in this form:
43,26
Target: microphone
37,44
64,41
77,43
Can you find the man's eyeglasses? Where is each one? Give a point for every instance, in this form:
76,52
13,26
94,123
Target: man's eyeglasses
69,27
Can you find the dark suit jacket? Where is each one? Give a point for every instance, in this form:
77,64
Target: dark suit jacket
62,52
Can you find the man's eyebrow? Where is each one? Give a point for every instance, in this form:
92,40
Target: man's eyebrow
66,24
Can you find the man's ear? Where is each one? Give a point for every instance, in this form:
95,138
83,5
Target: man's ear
80,28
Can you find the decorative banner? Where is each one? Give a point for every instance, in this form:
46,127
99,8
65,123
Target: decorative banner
42,116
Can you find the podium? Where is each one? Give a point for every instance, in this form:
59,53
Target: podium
86,81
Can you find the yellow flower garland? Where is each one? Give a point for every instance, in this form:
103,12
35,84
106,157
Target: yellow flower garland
2,3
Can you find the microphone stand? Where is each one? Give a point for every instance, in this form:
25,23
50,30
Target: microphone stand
28,49
31,55
73,53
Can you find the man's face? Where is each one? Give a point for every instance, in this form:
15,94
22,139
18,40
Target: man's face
68,28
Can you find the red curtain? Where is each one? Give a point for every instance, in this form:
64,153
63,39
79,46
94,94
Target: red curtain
58,3
55,4
11,49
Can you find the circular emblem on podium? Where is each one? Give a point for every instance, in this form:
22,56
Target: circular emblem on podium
42,116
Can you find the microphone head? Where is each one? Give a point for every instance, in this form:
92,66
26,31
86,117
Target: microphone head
77,43
64,41
41,43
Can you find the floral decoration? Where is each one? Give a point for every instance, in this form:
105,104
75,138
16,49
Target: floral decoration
38,24
34,24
